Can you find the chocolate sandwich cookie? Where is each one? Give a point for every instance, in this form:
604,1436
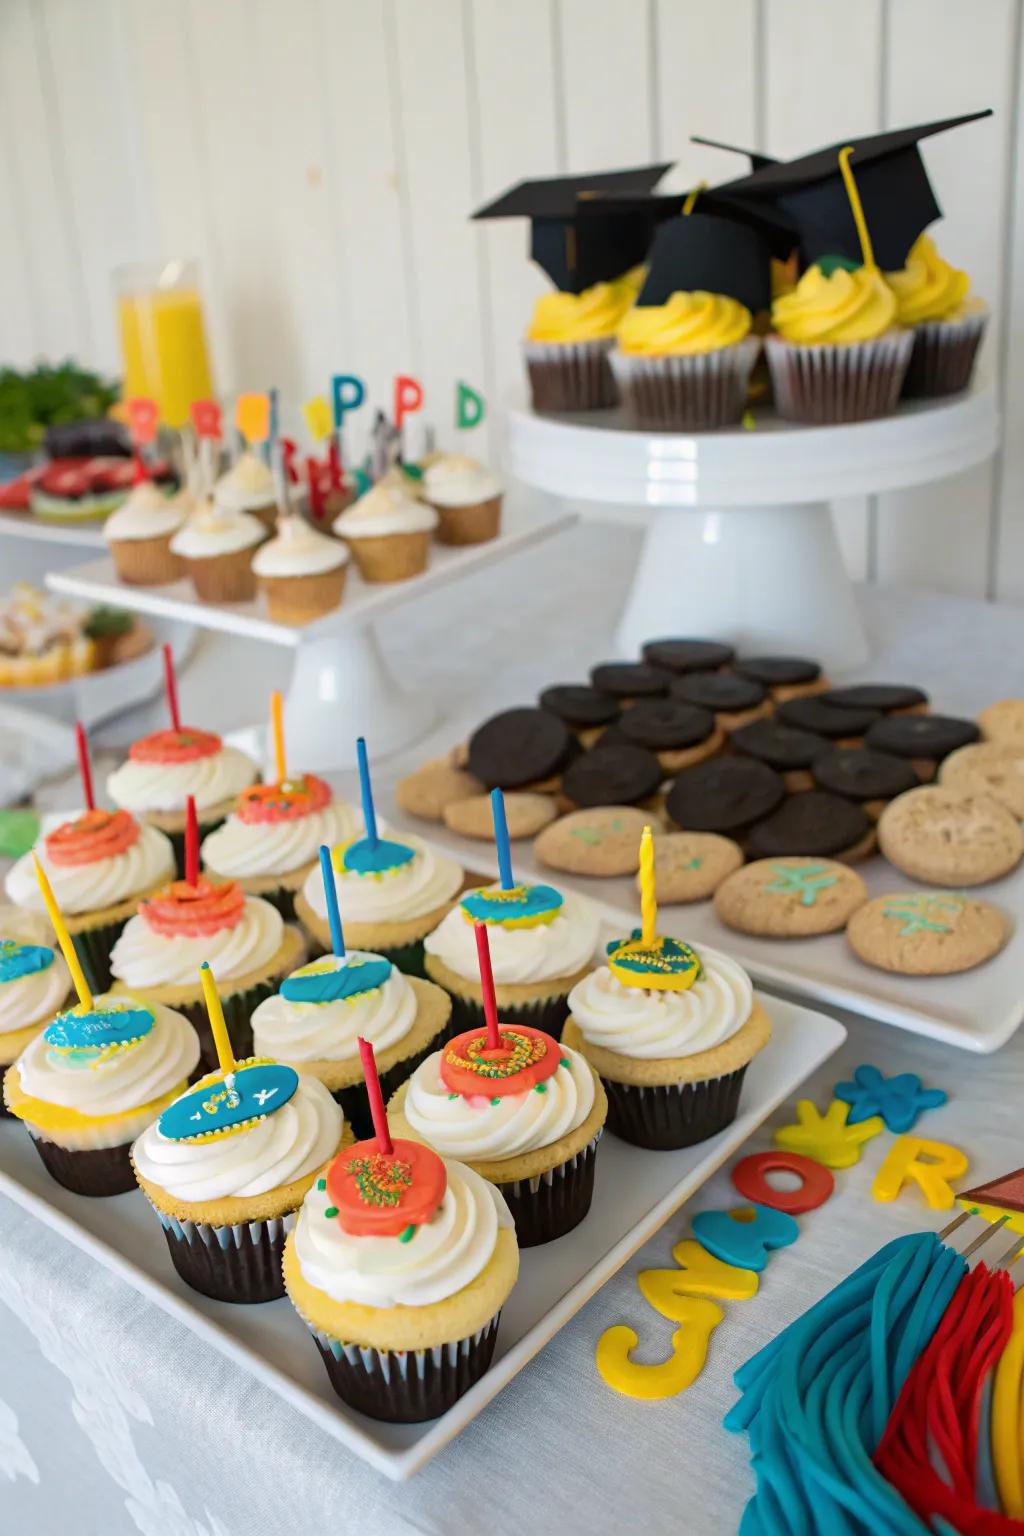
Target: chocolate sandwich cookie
858,773
520,747
725,795
788,750
680,734
621,774
687,655
735,700
787,676
628,680
814,825
925,739
581,707
887,698
812,714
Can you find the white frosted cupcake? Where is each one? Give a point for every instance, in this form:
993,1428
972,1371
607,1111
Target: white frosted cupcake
320,1013
541,941
300,572
226,1167
248,486
217,547
93,1080
100,865
272,838
139,534
388,531
391,894
163,769
466,497
34,981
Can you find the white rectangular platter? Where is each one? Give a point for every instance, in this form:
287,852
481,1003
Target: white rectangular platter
635,1192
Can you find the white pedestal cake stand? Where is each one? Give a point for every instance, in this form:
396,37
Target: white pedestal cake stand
740,541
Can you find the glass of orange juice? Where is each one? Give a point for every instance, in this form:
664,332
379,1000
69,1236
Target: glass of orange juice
163,337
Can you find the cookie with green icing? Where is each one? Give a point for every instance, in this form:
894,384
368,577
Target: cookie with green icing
789,898
927,933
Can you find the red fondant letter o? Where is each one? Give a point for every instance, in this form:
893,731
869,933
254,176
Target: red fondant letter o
816,1183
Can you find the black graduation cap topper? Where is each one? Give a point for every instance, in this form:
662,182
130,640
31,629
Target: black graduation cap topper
703,251
587,229
897,196
757,160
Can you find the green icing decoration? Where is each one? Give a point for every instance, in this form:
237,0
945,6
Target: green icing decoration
331,1212
321,1184
806,881
540,1088
408,1235
830,264
923,914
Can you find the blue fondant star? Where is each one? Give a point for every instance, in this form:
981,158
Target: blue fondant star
899,1100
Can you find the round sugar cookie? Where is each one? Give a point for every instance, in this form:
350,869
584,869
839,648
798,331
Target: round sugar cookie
927,933
790,898
690,866
944,838
526,813
604,840
1004,722
427,792
988,768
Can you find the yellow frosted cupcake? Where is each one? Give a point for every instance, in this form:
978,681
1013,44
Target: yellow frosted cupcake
934,300
569,343
685,364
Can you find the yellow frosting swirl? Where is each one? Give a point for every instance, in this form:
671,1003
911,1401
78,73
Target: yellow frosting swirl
841,307
591,315
687,324
927,288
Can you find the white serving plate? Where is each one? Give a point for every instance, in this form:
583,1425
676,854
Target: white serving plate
635,1192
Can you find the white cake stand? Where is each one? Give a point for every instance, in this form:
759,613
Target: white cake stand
740,541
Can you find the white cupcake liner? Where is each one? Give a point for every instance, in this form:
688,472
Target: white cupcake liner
689,392
406,1386
226,1237
571,375
943,356
839,383
235,1262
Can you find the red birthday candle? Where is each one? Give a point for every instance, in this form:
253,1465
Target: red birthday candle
84,766
191,842
171,687
378,1113
483,950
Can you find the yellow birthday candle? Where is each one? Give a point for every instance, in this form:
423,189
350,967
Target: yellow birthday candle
277,732
215,1013
64,939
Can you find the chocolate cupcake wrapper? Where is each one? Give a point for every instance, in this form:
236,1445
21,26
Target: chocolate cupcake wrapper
284,900
943,357
830,384
93,946
676,1115
407,958
547,1013
238,1010
239,1263
356,1106
97,1171
407,1386
571,376
554,1202
694,393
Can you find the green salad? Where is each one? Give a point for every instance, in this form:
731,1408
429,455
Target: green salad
48,397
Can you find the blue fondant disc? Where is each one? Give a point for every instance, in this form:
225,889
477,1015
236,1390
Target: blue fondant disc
522,905
336,981
366,858
17,960
253,1093
99,1029
667,963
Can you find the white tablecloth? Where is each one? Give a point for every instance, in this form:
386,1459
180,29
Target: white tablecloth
115,1420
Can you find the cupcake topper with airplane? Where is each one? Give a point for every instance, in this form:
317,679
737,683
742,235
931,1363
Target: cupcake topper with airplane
510,904
647,959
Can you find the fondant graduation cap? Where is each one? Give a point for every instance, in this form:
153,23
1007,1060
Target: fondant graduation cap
894,188
757,160
587,229
710,252
999,1197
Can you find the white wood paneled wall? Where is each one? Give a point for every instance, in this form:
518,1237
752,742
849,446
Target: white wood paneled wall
319,157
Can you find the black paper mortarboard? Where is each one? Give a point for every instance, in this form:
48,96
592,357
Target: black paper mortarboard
709,252
894,189
757,160
587,229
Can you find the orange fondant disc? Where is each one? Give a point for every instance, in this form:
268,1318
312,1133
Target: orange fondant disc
378,1194
93,836
527,1057
174,747
283,802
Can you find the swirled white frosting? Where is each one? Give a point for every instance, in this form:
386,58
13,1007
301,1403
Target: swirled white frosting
425,882
542,953
456,480
291,1143
484,1129
212,530
140,787
298,550
36,997
102,883
384,509
147,514
248,483
640,1023
331,1031
127,1079
446,1254
239,848
143,958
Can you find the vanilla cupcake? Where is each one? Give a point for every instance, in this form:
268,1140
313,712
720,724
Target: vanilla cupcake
388,531
34,981
569,342
93,1080
541,941
315,1021
244,940
139,534
934,300
301,573
226,1166
248,486
216,548
271,840
671,1030
391,894
399,1264
466,497
99,865
528,1122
